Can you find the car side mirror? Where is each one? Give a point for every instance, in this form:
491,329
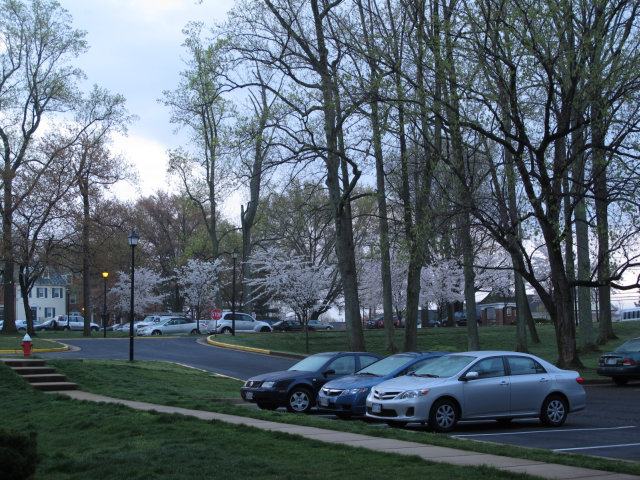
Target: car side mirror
328,372
471,376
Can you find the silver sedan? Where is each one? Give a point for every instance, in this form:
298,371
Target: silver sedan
479,386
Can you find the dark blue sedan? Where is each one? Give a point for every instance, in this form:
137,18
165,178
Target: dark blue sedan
346,396
298,387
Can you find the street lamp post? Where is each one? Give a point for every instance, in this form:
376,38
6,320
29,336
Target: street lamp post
234,255
68,292
104,310
133,241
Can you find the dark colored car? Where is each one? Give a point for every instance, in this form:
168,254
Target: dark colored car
378,322
623,364
287,326
297,388
347,396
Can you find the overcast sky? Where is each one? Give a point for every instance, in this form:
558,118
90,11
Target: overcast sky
135,50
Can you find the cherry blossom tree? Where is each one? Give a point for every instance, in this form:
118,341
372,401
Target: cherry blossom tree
199,281
145,296
292,280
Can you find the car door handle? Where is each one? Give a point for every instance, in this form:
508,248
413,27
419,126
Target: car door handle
544,380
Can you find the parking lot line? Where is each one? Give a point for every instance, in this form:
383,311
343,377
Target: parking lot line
596,447
555,430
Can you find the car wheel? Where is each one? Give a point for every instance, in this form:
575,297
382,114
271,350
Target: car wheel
267,406
620,380
194,332
226,330
300,400
443,416
554,411
94,329
156,332
265,329
396,424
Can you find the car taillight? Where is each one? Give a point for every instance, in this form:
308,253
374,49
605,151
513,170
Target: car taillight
627,362
579,380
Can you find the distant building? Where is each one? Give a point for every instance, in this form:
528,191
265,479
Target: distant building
47,297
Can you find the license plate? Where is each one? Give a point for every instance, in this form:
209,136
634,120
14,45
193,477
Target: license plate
324,402
376,408
611,361
249,395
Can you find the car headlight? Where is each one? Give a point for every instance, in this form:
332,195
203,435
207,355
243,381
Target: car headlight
412,394
354,391
268,384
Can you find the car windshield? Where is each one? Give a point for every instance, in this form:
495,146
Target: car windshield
311,364
386,365
446,366
630,346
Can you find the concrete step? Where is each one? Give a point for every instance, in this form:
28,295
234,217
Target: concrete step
45,378
55,386
22,371
39,375
22,362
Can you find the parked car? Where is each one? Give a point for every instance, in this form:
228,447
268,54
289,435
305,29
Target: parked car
478,386
170,326
244,323
378,322
347,396
287,326
297,388
318,325
68,322
431,323
155,319
623,364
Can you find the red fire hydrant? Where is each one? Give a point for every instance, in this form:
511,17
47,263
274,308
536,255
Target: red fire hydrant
26,345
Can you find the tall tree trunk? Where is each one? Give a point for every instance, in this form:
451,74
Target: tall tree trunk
86,274
385,256
247,217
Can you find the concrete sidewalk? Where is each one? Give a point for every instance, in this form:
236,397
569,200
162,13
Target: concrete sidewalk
427,452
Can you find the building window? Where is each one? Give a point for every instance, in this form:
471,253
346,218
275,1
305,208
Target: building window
41,292
56,292
49,312
72,298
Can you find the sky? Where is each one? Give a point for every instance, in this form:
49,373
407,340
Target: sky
135,50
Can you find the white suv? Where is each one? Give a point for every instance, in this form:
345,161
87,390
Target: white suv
244,323
72,322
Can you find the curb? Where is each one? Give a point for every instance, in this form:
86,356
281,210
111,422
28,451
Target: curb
38,350
252,349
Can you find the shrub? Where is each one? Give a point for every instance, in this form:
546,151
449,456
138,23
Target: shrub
18,454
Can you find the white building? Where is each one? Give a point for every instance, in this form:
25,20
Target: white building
46,299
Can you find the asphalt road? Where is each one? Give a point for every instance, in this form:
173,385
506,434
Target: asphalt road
184,350
609,427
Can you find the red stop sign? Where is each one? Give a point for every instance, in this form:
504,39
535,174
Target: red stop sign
216,314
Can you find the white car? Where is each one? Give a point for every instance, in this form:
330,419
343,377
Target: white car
69,322
488,385
243,323
170,326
